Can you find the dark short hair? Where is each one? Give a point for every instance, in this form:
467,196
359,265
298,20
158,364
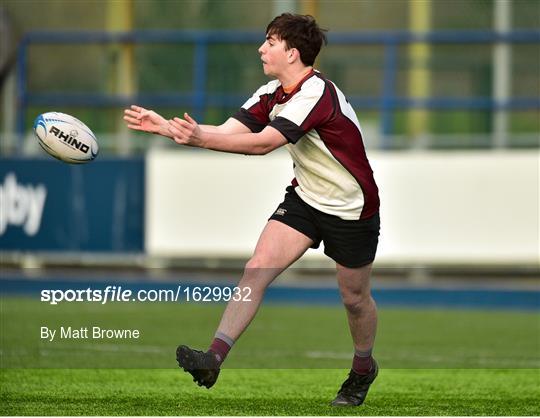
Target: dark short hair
301,32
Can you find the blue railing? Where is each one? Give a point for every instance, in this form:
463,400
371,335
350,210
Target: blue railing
199,99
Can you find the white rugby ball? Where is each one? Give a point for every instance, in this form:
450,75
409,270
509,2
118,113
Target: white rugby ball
66,138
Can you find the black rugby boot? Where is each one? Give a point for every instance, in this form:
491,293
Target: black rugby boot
354,390
204,367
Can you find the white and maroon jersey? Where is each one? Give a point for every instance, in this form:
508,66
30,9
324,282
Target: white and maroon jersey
332,172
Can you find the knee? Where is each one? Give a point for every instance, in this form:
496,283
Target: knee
257,274
357,302
255,263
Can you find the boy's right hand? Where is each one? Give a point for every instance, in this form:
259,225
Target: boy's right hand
141,119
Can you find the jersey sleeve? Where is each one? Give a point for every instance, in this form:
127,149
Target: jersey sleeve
306,110
254,112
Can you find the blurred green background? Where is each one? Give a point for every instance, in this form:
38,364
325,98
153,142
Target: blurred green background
454,70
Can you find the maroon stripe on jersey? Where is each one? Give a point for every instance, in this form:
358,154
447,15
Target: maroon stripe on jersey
344,141
322,112
256,117
346,147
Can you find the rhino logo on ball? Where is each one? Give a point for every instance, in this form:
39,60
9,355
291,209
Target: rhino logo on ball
69,139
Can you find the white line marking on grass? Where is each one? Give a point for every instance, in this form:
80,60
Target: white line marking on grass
334,355
470,359
111,348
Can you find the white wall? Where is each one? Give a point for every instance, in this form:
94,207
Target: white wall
203,203
451,207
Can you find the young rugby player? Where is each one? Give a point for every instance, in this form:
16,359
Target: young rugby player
333,197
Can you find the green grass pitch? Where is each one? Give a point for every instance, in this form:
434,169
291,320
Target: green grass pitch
291,361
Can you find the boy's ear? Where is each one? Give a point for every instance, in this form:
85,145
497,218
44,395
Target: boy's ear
293,54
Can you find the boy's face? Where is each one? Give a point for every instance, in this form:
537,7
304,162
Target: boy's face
274,55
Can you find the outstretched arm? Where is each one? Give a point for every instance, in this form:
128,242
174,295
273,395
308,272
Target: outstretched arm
188,132
145,120
230,126
141,119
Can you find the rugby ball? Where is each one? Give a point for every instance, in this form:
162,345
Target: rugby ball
66,138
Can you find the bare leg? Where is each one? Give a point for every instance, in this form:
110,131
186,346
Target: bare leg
278,247
362,315
361,310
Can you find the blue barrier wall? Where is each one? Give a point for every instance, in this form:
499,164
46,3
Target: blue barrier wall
47,205
425,297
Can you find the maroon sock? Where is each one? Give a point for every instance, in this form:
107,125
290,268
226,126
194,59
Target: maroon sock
220,348
362,365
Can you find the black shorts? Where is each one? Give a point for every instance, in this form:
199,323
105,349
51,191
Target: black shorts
350,243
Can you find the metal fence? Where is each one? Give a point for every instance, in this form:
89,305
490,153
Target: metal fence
199,98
